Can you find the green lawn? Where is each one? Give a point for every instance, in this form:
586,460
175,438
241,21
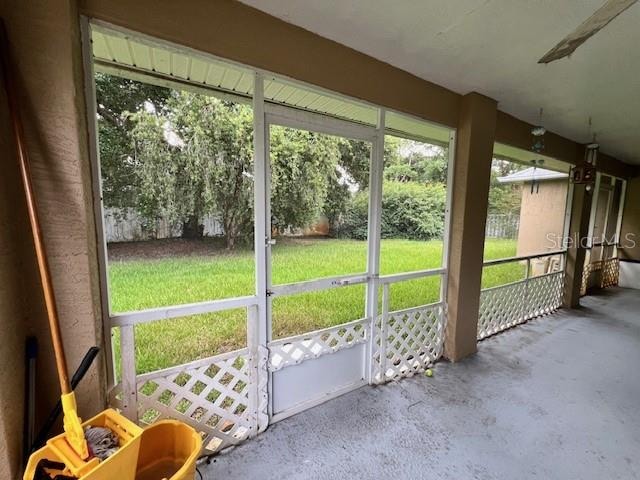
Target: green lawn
140,284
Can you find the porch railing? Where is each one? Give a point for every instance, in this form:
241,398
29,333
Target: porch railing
225,396
408,340
601,273
511,304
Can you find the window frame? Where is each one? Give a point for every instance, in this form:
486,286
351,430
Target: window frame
265,113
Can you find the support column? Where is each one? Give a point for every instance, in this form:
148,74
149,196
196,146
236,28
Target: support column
472,174
578,232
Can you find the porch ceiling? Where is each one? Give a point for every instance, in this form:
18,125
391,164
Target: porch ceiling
139,57
492,47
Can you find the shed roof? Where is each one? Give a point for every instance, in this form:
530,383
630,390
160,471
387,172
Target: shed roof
532,173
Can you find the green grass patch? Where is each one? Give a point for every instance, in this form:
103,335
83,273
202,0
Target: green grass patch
140,284
493,276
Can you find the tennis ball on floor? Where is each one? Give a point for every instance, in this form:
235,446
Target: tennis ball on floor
428,372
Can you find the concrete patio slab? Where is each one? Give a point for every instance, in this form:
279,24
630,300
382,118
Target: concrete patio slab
556,398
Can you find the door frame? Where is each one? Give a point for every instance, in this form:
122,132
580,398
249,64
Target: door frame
268,114
609,243
276,115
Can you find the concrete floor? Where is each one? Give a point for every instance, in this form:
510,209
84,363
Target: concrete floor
557,398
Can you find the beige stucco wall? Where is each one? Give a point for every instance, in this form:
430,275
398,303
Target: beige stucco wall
12,333
45,39
630,229
542,215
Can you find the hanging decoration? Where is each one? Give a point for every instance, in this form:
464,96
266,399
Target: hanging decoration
537,146
585,174
535,184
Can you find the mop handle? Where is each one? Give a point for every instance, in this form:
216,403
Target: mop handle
41,255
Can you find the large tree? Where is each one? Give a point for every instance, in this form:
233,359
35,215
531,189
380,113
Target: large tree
302,165
349,176
195,158
181,156
116,97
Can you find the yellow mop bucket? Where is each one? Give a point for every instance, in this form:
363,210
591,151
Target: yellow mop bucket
168,451
121,465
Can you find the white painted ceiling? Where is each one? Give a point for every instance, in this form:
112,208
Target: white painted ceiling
492,47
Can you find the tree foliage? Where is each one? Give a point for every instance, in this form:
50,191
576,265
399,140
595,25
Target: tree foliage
188,155
194,158
504,198
414,194
181,156
410,161
410,210
116,97
303,164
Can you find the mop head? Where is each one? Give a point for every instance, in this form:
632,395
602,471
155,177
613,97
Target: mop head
102,442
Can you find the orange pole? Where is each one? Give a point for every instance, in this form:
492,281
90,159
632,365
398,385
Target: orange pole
41,254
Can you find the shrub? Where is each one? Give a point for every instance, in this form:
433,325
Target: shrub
353,221
410,210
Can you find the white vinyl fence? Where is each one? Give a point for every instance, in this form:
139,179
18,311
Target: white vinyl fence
126,225
500,225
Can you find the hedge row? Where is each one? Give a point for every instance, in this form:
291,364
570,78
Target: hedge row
410,210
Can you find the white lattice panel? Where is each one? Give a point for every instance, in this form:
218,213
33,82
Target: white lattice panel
586,274
501,308
509,305
212,395
610,272
544,294
294,350
413,340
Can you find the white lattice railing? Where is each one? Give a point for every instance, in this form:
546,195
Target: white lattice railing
294,350
586,276
543,294
501,308
218,396
506,306
602,273
225,397
610,272
407,341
